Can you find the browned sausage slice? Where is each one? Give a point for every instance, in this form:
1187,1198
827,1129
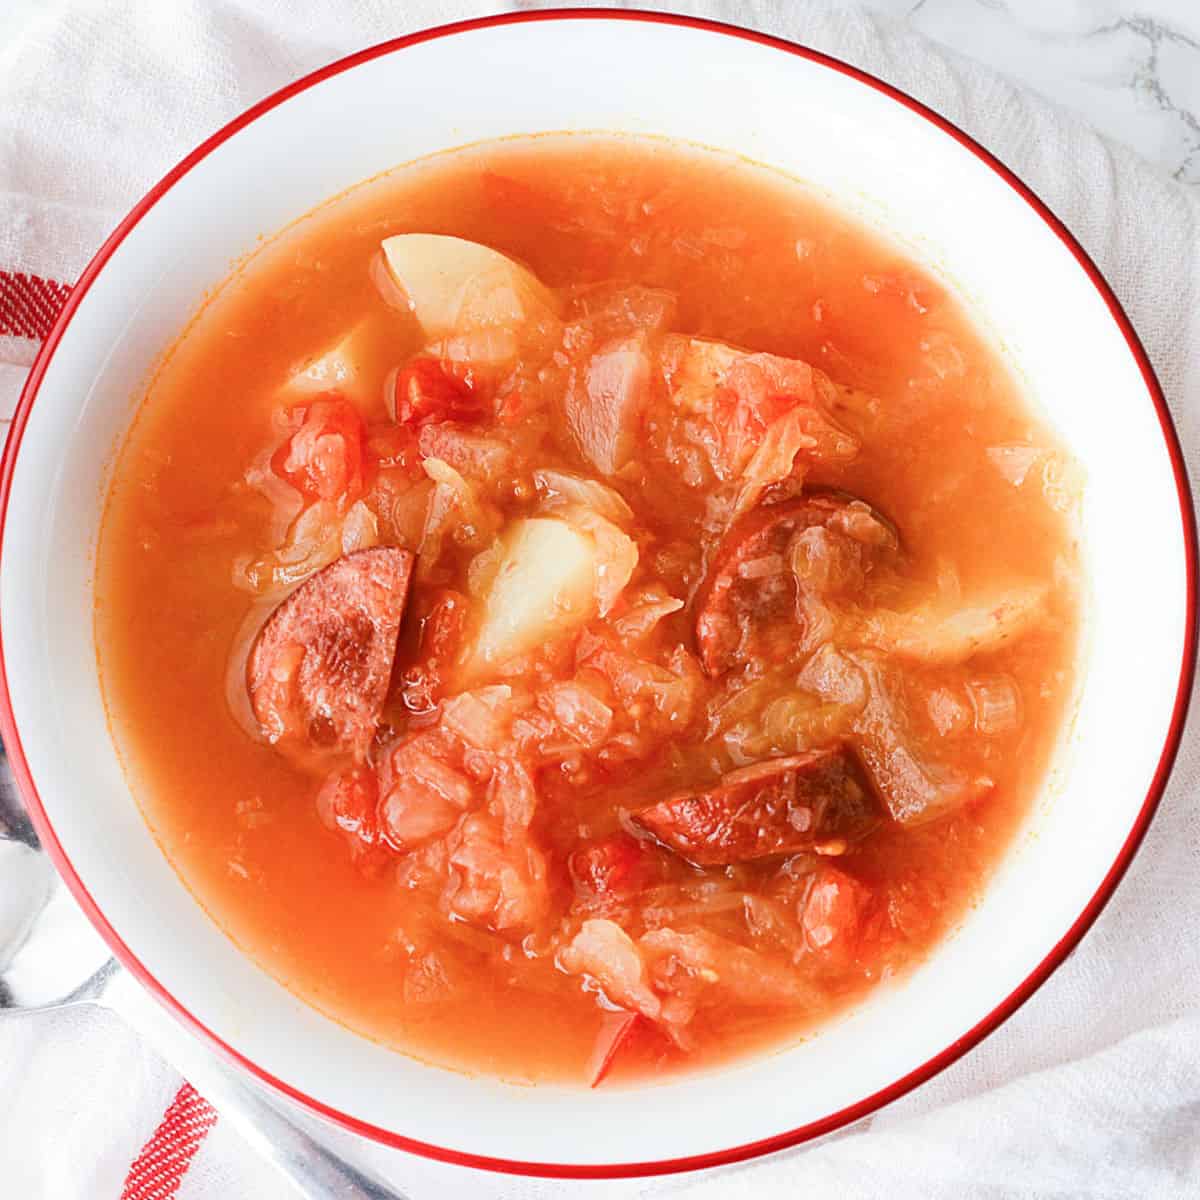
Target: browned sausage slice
780,806
751,584
318,673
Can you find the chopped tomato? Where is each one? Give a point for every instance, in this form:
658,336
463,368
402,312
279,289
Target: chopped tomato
618,865
348,802
834,913
324,457
616,1030
425,391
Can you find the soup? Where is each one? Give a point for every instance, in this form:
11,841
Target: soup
582,608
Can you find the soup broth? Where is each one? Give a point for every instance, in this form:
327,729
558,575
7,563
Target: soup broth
581,608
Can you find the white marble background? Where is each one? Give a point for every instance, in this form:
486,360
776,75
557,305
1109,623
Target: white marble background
1131,68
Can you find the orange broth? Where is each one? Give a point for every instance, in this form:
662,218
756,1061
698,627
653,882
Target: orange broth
975,486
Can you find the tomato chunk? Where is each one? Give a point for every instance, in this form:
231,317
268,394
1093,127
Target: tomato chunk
426,392
318,672
616,1031
834,913
348,803
610,867
324,457
781,806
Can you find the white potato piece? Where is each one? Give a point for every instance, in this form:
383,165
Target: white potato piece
946,633
543,586
454,286
340,368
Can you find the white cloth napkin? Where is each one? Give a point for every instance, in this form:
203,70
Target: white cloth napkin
1093,1088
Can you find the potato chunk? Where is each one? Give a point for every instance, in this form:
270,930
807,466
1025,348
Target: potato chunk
545,586
455,286
341,368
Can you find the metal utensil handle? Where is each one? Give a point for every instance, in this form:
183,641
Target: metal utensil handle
315,1171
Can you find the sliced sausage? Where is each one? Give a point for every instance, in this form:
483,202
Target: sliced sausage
752,582
818,799
318,673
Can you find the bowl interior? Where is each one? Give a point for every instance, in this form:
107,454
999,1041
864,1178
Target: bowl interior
899,172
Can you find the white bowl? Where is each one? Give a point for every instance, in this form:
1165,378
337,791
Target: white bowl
877,152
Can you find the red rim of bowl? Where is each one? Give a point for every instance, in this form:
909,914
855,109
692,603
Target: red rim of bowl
918,1075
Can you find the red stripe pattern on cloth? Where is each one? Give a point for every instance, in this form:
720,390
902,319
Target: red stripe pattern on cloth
165,1158
29,305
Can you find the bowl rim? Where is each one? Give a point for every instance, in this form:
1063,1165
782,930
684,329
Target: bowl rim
920,1074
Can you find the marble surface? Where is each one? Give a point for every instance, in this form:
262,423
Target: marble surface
1131,68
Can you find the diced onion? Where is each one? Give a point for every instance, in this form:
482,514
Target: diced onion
1014,460
832,676
857,521
762,568
997,704
825,561
642,617
286,502
481,570
481,717
483,349
561,487
616,553
948,713
360,529
580,712
453,506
